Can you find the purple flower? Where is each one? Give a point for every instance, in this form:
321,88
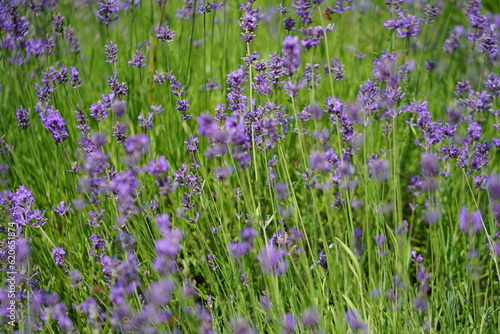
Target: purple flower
75,77
107,11
408,26
420,304
59,256
322,260
272,260
379,168
303,10
55,123
98,111
138,60
289,23
136,146
488,42
182,105
415,257
157,167
354,320
165,34
170,244
23,118
248,233
267,304
310,318
62,208
319,162
238,249
241,326
249,21
379,240
429,164
76,278
111,50
357,241
291,53
192,144
494,186
470,222
288,323
160,293
146,123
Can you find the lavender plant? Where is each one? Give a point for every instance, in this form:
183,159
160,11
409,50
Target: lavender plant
219,167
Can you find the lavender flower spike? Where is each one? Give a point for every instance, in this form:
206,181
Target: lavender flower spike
107,11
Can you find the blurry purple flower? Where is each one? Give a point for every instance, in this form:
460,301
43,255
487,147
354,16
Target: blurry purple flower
272,260
266,303
358,245
22,252
310,318
72,40
248,233
379,240
470,222
288,324
238,249
354,321
319,162
429,164
383,67
431,11
452,44
211,85
282,190
291,53
170,244
211,261
160,293
119,107
95,219
241,326
58,23
222,173
431,214
415,257
408,26
157,167
76,278
420,304
137,145
192,144
494,187
379,168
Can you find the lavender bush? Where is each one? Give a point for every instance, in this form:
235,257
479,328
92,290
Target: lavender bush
247,167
